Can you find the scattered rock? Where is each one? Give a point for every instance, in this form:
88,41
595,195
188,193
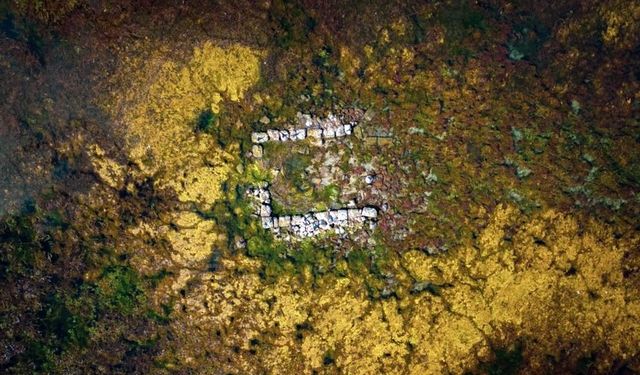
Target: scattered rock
256,151
369,179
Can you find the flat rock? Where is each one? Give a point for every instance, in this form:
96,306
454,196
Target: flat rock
259,137
274,135
347,129
256,151
369,212
297,220
267,222
354,213
264,195
322,215
284,135
329,133
298,134
314,133
265,210
341,215
284,221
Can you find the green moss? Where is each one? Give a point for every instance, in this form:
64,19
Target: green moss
357,261
39,357
527,39
329,194
119,289
292,25
460,20
56,219
163,317
418,27
295,171
207,121
157,277
62,325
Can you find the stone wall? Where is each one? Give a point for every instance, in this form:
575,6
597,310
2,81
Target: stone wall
318,130
310,224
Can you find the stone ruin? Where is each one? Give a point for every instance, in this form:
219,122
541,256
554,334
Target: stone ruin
318,130
313,223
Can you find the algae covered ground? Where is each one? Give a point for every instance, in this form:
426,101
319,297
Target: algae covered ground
499,143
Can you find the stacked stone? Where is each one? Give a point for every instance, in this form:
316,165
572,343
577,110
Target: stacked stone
316,129
313,223
262,197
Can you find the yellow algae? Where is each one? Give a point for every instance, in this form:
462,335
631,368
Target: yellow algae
621,18
490,294
160,123
109,171
193,239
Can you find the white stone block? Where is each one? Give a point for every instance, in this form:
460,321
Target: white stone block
267,222
315,133
264,196
322,216
370,212
297,220
347,129
265,210
329,133
284,135
256,151
323,224
284,221
333,216
332,119
339,131
307,121
298,134
274,135
369,179
342,215
259,137
354,213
